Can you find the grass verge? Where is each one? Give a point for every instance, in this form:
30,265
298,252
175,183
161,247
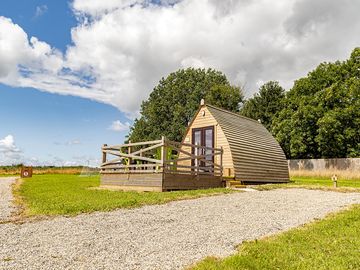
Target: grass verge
322,183
71,194
331,243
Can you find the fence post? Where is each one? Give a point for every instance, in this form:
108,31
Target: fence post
129,152
163,152
198,152
104,154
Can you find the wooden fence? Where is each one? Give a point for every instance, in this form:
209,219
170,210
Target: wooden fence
161,156
344,168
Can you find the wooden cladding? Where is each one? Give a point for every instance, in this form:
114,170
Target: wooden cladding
256,155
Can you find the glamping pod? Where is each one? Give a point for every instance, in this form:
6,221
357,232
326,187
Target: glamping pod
218,145
250,152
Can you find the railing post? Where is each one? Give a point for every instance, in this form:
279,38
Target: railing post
104,154
163,152
129,152
142,162
198,152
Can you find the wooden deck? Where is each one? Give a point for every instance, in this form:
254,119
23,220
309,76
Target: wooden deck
154,166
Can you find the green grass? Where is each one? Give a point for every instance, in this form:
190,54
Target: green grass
332,243
316,183
70,194
325,182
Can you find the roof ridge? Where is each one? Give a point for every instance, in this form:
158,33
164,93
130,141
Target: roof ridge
233,113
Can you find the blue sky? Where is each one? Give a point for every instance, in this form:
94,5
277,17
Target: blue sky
49,20
73,73
50,128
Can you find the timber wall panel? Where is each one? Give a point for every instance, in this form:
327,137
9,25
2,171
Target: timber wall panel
219,140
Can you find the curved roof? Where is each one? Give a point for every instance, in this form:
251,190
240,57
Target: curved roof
256,154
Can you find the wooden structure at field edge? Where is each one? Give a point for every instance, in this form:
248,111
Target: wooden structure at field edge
136,167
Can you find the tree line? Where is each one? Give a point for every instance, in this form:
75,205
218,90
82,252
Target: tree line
319,117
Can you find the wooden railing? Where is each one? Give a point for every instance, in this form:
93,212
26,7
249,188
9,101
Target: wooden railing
162,156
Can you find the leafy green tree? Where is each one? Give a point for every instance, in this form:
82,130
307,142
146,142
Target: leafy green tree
225,96
175,99
265,104
321,118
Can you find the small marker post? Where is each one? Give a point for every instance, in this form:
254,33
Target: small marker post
334,179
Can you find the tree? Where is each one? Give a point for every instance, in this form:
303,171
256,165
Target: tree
176,98
265,104
321,117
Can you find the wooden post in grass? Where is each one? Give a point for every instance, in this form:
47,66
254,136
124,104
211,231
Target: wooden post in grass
334,179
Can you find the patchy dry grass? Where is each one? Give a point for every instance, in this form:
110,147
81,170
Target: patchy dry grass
15,170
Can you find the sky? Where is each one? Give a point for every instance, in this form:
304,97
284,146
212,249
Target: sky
74,73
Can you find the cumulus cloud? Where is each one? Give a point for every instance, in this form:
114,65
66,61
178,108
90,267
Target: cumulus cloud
121,48
119,126
9,152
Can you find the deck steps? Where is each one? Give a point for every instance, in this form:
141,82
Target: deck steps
234,184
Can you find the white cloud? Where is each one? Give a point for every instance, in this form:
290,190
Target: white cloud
40,10
8,143
9,152
119,126
121,48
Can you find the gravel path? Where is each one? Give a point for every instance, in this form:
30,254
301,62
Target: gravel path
169,236
6,206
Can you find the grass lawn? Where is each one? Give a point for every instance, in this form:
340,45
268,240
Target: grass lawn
316,183
325,182
61,194
332,243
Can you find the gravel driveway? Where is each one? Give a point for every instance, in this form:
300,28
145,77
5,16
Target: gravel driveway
169,236
6,206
